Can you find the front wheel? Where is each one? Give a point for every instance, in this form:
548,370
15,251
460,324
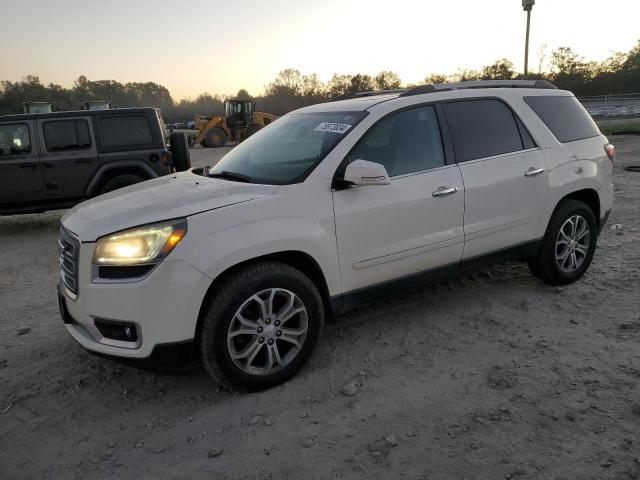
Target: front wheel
261,326
568,244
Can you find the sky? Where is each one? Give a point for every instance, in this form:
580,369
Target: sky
219,47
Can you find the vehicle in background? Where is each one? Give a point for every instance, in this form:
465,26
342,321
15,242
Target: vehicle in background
98,105
331,207
240,121
40,107
56,159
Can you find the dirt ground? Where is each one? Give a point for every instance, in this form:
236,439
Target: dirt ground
486,377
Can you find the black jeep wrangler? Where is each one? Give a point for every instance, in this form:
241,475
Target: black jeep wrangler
55,160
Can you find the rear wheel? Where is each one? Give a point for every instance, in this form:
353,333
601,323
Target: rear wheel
120,181
261,326
568,245
216,137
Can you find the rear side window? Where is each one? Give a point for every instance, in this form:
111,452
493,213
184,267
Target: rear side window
405,142
14,139
527,141
125,131
564,116
482,128
66,135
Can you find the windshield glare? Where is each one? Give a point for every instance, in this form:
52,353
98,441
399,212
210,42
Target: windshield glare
288,150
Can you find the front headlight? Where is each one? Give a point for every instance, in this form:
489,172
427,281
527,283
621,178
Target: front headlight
140,245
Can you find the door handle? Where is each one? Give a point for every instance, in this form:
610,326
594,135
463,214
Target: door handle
532,172
444,191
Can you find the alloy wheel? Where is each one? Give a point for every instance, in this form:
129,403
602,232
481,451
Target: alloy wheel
267,331
572,243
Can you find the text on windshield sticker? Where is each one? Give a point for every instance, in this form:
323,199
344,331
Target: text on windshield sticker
333,127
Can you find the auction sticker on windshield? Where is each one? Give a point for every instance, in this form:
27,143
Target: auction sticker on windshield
333,127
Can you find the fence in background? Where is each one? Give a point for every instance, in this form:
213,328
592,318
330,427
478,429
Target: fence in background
613,109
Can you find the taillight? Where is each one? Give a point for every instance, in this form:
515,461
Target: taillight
610,151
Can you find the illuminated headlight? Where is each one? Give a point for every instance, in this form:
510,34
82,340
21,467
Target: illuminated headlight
140,245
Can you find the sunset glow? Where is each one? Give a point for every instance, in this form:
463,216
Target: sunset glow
220,47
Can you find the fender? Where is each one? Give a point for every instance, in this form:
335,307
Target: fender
99,175
240,245
571,177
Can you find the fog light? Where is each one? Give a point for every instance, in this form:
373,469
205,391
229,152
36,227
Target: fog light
121,331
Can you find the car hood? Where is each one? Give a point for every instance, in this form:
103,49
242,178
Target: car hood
163,198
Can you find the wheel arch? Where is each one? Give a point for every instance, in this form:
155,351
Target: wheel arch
588,196
109,171
294,258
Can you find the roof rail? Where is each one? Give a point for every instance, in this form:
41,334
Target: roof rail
347,96
441,87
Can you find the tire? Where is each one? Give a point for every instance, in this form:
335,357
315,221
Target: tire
253,128
216,137
120,181
180,151
243,292
554,263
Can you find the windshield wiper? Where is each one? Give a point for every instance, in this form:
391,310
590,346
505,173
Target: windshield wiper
233,176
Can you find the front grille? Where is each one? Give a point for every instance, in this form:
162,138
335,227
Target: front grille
69,248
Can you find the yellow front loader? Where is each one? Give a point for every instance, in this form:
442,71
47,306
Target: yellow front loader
239,122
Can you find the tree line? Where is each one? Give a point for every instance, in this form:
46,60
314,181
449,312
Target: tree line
620,73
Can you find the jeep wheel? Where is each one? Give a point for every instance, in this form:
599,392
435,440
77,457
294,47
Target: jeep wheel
568,244
216,137
180,151
261,326
119,182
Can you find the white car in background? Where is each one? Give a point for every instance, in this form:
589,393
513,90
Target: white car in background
330,207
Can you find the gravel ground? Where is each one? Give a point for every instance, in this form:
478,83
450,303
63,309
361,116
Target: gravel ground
491,376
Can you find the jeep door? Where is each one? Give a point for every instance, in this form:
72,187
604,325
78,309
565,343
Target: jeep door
21,177
504,175
69,155
385,232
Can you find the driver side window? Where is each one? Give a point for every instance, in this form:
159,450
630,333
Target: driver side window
14,139
405,142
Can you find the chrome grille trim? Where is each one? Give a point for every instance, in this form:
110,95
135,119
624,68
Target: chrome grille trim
69,250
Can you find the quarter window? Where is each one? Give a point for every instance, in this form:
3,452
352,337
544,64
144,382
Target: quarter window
65,135
14,139
405,142
125,131
482,128
564,116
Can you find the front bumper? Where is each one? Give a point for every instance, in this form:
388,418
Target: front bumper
164,307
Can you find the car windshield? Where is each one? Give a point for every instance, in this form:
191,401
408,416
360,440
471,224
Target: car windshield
287,150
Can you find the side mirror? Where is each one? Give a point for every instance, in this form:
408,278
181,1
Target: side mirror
360,173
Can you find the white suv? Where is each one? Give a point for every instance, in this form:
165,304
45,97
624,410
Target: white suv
327,208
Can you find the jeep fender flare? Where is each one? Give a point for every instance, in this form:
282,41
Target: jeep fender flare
120,165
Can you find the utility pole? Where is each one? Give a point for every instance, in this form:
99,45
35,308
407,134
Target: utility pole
527,5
